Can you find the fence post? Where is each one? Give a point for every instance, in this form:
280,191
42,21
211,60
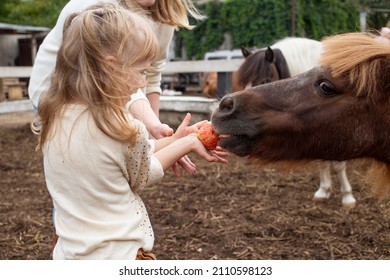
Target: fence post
224,84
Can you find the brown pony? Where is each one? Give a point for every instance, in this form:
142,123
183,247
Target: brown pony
210,86
261,67
284,59
337,111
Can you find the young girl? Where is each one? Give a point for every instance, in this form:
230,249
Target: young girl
166,16
97,157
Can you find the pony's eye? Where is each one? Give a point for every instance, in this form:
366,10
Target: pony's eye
327,88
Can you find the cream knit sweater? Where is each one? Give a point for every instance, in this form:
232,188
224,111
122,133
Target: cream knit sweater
94,182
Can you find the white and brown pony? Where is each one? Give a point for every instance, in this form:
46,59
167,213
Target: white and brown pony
337,111
284,59
210,86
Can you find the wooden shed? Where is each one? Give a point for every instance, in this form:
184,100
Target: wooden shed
19,45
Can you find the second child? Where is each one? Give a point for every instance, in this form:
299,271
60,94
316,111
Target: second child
97,157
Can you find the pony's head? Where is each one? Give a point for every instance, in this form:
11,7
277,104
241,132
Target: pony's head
210,86
346,98
261,67
337,111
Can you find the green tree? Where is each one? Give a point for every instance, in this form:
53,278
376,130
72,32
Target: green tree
378,13
262,22
249,22
31,12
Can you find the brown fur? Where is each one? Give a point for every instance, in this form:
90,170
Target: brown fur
210,87
258,69
378,177
367,71
337,111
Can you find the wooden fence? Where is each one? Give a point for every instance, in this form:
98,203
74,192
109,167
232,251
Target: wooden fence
224,68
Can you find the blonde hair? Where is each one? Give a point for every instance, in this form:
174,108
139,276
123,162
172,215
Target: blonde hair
104,48
171,12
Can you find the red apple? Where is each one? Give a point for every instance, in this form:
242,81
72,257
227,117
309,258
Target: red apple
208,136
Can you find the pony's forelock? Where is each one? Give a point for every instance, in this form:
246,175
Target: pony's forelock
359,58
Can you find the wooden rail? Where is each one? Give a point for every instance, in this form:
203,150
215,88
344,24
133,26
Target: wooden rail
15,71
195,66
224,68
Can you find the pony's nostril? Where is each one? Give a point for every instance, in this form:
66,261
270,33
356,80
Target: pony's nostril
226,104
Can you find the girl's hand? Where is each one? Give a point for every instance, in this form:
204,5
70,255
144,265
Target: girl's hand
217,155
172,151
220,153
161,130
184,130
170,154
186,164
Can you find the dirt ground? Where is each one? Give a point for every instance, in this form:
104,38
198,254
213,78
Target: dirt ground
234,211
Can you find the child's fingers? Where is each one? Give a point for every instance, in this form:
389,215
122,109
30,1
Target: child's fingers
187,165
221,153
183,127
166,130
220,159
220,149
176,170
199,124
212,157
187,160
186,120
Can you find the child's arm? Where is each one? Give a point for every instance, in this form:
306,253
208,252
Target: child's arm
184,141
183,146
183,130
141,110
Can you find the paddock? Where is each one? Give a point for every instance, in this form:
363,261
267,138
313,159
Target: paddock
236,211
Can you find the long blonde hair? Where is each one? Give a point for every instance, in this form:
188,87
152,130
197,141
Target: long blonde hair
171,12
103,51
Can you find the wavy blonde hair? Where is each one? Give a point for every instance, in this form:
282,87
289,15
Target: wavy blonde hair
171,12
101,60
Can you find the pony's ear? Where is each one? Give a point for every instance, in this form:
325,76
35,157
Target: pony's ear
269,54
245,51
281,64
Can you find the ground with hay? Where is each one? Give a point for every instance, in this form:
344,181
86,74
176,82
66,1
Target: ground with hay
234,211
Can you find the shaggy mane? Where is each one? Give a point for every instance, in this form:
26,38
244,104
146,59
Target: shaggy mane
364,60
361,58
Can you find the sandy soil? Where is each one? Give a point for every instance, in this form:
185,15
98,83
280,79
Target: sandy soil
237,211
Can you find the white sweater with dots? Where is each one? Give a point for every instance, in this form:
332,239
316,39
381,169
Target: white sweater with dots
94,182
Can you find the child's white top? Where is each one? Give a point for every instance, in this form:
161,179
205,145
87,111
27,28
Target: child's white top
47,54
94,182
